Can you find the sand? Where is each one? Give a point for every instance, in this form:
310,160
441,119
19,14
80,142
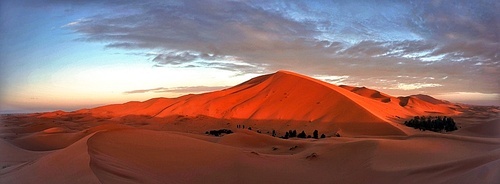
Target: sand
163,141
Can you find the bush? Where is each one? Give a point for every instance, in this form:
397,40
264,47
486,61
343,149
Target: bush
286,135
292,133
302,135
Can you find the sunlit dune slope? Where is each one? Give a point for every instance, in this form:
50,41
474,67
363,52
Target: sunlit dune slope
285,100
278,98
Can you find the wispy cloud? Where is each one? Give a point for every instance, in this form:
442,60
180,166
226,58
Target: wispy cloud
332,78
183,89
405,86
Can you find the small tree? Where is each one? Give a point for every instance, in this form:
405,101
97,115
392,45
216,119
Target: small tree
323,136
315,134
302,135
286,136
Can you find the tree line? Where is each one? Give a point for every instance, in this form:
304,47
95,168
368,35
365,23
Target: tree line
303,135
219,132
288,134
435,124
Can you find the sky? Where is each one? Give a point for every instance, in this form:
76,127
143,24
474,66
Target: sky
72,54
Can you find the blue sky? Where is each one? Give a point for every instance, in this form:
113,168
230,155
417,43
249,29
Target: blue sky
75,54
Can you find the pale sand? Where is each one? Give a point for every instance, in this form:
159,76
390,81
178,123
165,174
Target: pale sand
145,156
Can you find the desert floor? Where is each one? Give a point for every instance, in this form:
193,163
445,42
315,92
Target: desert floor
68,149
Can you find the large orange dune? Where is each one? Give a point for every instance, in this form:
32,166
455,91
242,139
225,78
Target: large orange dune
286,100
163,140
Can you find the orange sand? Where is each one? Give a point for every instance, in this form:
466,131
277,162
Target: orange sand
162,140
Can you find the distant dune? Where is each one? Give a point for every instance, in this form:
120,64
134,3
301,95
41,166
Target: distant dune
289,99
163,140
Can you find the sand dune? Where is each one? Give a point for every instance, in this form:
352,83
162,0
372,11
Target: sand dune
162,140
369,93
145,156
271,98
287,99
409,105
68,165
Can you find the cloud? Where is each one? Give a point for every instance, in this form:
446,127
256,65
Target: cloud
472,98
143,90
412,86
368,41
183,89
332,78
174,58
208,27
449,20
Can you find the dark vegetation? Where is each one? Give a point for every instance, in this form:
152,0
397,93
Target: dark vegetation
288,134
219,132
315,134
303,135
435,124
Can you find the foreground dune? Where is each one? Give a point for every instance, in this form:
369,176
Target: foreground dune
144,156
163,140
68,165
415,160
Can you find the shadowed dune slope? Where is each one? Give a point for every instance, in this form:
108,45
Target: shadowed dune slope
413,105
67,165
369,93
143,156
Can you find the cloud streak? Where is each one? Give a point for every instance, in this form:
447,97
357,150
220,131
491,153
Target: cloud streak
182,89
